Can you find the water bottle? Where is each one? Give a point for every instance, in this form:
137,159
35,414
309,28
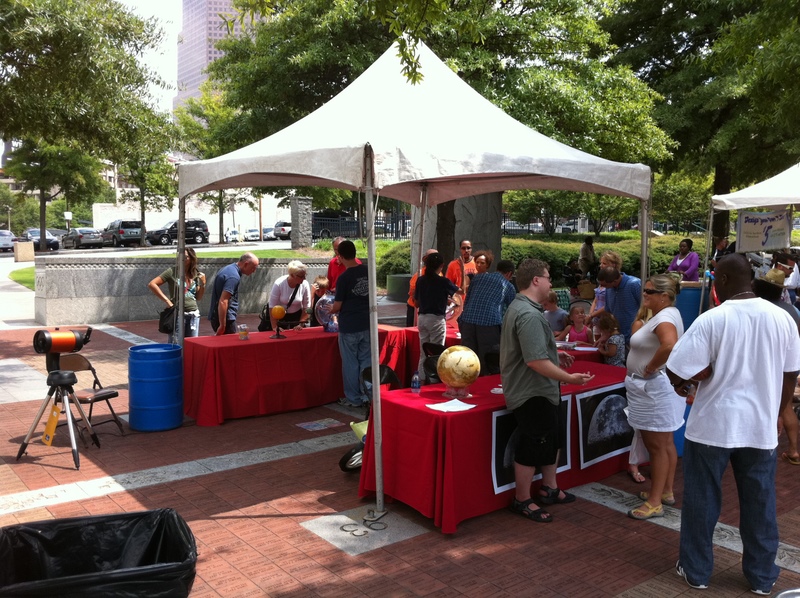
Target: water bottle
415,383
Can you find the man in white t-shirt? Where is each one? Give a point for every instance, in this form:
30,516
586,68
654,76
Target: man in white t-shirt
750,351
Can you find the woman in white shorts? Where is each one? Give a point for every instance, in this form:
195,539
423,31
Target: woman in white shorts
653,406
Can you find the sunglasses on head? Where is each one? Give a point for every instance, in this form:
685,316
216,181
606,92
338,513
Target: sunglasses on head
652,292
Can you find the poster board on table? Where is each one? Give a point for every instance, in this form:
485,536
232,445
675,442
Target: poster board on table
504,441
603,424
763,231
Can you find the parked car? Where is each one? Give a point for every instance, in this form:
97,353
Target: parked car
82,237
196,232
327,224
232,236
283,230
7,240
269,233
32,234
122,232
251,234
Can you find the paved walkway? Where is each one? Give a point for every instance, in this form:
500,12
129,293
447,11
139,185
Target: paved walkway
266,501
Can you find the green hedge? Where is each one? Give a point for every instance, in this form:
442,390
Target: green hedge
558,251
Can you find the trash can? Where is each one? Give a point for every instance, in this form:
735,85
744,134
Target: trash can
155,387
688,302
678,435
149,553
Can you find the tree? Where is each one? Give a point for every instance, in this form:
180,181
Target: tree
681,198
146,166
208,128
53,171
682,50
69,70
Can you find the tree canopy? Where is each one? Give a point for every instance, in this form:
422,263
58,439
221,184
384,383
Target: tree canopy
69,71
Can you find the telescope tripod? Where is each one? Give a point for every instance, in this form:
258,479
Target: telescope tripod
61,391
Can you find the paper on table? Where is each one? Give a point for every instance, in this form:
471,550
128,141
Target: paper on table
589,349
454,405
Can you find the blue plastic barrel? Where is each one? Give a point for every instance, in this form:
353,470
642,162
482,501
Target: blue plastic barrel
678,434
155,387
688,303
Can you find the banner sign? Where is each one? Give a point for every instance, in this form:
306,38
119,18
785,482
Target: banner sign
763,231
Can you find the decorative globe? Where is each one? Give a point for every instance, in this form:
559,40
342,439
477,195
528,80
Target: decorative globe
322,310
458,367
278,312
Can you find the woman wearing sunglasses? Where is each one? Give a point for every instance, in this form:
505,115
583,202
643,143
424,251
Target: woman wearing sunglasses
653,407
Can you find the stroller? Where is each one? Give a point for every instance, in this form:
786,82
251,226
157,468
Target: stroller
351,461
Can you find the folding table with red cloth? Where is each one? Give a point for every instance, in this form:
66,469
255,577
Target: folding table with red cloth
441,463
227,378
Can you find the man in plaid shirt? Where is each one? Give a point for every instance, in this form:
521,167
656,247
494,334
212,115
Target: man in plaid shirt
489,296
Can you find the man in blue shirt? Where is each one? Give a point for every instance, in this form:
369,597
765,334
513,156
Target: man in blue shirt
225,294
490,294
352,304
623,298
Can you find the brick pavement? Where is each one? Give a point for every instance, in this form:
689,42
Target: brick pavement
246,519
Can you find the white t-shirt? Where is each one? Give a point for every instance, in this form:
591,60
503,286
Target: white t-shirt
645,343
282,292
749,343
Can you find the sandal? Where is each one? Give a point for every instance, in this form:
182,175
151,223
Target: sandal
524,508
666,499
646,511
637,476
793,460
550,496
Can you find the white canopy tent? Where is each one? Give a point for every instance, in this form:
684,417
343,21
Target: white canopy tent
781,190
423,144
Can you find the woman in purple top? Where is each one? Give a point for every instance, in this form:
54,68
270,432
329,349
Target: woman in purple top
686,262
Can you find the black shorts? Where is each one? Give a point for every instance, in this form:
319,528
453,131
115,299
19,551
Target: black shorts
539,432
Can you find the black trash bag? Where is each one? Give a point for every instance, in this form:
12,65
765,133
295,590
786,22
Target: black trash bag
150,553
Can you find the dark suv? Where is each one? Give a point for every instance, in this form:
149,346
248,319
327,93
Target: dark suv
122,232
196,232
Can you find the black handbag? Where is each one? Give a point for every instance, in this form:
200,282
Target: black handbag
166,320
266,324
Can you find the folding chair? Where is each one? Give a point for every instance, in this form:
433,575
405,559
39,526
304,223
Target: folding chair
431,373
387,376
432,349
78,363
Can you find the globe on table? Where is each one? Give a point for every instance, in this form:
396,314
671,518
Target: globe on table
278,312
458,367
322,311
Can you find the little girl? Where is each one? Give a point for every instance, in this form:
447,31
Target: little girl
576,329
611,344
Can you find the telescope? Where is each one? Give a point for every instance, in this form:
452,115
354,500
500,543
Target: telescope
52,344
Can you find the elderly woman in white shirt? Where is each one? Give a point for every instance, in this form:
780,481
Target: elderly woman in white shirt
293,293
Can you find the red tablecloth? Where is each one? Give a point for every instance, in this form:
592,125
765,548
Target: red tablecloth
453,337
225,377
587,356
441,463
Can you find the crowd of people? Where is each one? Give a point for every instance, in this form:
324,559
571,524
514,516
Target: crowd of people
511,319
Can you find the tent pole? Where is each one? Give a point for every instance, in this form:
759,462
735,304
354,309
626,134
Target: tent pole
181,272
377,431
423,204
705,260
644,230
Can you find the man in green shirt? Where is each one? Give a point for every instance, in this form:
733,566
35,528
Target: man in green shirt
531,371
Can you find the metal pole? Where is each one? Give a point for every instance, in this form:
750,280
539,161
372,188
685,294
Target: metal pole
179,270
705,260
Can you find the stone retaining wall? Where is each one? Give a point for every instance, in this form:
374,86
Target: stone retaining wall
90,290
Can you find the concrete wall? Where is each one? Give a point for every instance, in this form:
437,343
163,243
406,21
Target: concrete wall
101,289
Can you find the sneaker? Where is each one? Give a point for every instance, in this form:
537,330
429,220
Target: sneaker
762,592
345,403
697,586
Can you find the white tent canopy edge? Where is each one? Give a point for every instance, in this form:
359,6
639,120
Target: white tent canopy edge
423,144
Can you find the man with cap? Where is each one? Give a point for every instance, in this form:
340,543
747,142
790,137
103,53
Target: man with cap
739,398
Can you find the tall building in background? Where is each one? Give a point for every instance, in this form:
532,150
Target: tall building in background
202,28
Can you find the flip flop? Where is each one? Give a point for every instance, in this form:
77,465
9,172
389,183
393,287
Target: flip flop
791,460
637,477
